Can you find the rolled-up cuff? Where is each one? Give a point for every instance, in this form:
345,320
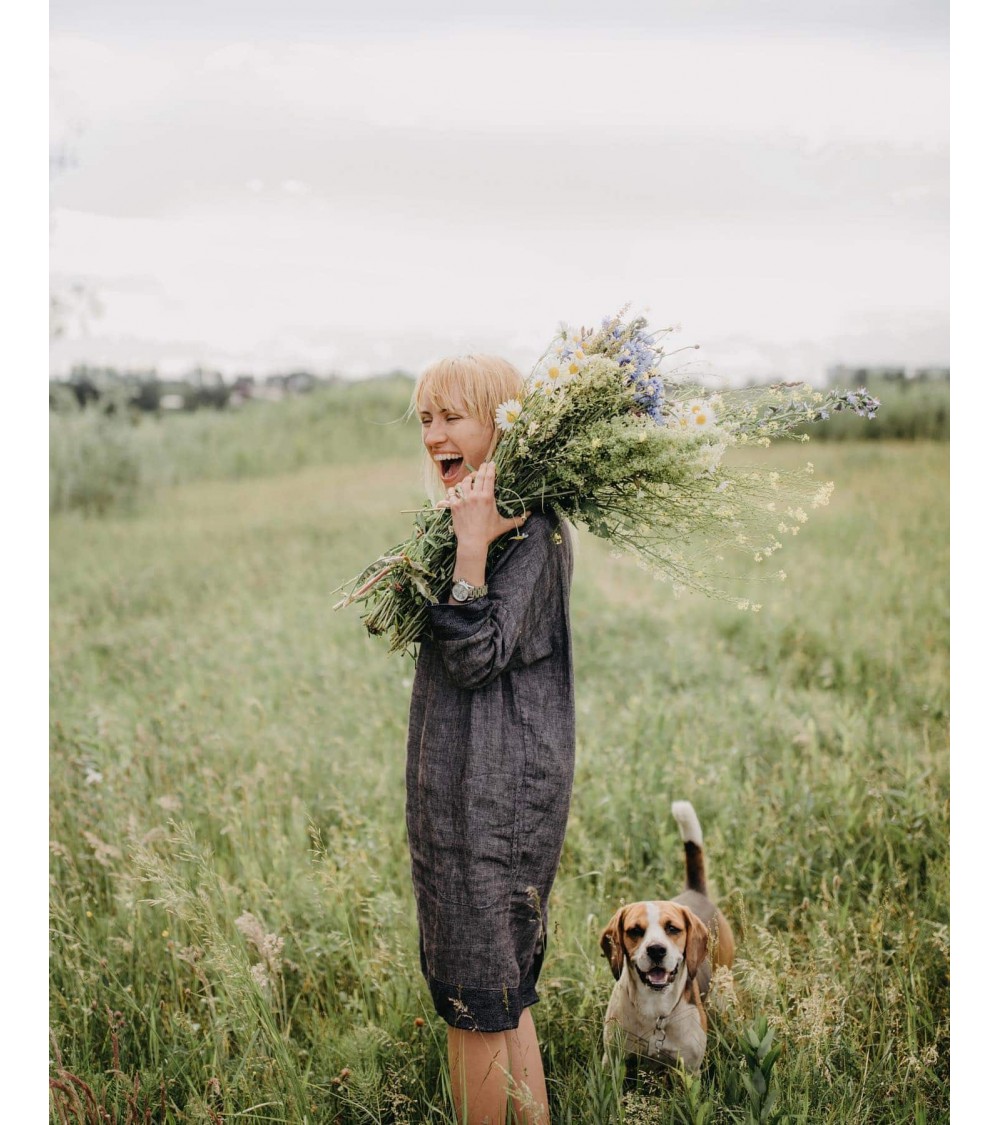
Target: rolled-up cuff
458,622
482,1009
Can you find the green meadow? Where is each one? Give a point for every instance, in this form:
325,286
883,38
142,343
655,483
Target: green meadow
232,929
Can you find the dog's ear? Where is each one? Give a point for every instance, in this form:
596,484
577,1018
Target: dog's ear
696,946
612,943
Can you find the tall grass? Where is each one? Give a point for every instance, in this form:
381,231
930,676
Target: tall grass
227,779
99,462
95,464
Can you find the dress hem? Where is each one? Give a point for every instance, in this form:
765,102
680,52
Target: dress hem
482,1009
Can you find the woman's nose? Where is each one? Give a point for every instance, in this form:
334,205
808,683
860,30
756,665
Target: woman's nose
433,432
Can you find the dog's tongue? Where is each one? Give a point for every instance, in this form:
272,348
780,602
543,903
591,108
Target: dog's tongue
656,976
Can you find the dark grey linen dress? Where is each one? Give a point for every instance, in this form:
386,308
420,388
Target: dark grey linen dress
489,772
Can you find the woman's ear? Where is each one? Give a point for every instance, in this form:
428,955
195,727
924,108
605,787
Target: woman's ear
612,943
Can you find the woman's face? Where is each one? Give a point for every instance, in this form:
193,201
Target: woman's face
456,441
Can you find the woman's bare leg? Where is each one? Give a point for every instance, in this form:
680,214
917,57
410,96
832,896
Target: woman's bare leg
484,1066
531,1102
479,1065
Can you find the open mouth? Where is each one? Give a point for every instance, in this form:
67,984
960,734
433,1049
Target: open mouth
657,978
450,468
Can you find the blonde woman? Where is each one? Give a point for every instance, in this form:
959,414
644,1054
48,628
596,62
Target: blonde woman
489,753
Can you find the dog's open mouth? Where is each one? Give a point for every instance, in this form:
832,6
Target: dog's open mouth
657,978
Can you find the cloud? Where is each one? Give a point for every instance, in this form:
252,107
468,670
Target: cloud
502,83
557,129
475,183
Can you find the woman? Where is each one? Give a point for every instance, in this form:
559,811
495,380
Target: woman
490,753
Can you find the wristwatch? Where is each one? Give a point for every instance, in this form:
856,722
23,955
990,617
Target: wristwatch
463,591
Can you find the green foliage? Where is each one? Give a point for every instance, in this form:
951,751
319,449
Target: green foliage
100,463
757,1045
338,425
224,745
95,464
694,1108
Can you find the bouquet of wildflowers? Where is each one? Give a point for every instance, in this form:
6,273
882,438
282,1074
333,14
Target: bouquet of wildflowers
605,439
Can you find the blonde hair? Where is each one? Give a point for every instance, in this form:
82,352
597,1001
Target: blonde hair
474,384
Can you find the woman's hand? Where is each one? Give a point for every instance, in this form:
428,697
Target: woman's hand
474,510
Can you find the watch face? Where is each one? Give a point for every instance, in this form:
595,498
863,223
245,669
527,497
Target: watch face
460,592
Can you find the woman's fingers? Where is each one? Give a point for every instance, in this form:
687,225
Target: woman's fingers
488,473
478,483
473,506
476,478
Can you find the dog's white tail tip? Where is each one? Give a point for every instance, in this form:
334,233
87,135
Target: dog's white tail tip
687,822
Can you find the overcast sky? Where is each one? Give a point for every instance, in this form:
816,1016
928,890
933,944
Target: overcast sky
254,186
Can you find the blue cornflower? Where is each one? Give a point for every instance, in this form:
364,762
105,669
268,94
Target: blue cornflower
636,353
648,397
860,401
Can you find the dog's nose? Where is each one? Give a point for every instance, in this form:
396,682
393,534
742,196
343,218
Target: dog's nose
656,952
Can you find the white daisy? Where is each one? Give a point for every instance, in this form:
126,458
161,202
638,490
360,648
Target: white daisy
508,413
701,415
691,416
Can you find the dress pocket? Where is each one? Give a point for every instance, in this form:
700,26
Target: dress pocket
472,840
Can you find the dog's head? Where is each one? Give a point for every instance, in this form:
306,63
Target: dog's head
655,939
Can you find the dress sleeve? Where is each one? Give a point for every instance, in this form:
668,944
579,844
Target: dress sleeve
477,640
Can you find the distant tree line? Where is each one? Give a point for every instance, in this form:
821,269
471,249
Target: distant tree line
843,374
915,401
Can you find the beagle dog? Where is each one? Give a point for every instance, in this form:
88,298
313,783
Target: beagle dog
659,955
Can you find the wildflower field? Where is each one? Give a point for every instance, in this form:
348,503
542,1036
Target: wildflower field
233,933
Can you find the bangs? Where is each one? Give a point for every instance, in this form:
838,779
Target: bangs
472,384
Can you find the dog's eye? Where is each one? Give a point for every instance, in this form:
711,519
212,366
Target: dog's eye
672,929
635,931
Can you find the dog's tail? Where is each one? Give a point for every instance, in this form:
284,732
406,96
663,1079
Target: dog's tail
694,857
